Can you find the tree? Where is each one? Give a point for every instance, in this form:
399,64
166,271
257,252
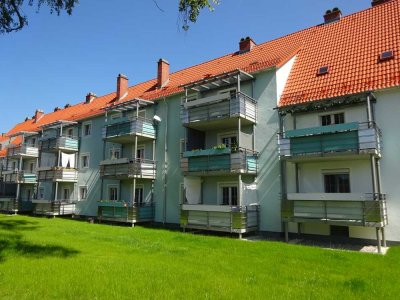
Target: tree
190,9
12,17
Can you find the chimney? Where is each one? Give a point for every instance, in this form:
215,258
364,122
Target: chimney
162,73
246,44
90,97
122,86
377,2
332,15
38,114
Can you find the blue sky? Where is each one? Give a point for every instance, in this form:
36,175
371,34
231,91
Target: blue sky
58,60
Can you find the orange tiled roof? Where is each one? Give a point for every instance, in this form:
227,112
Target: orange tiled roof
350,47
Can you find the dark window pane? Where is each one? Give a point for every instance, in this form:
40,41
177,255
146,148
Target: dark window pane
337,183
326,120
234,196
225,195
339,118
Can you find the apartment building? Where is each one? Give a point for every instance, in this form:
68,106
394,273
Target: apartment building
293,136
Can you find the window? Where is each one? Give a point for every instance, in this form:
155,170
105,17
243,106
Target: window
228,139
337,183
65,194
140,152
85,161
386,55
41,193
31,167
87,129
230,92
112,193
139,195
323,70
70,133
14,165
115,153
332,119
33,142
228,194
83,192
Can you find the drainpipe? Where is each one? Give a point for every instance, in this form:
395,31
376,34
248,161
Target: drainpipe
282,165
165,163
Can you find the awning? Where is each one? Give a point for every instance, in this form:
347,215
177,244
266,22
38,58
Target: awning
58,124
128,105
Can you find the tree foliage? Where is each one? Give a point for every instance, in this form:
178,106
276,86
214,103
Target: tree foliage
12,17
190,9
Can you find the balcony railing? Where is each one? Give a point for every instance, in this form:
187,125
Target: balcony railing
219,107
64,143
128,168
22,150
337,209
9,204
236,219
226,160
19,177
54,208
120,211
58,174
347,138
137,126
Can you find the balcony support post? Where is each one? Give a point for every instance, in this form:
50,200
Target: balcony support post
378,238
383,237
238,83
56,191
240,191
286,228
373,174
369,111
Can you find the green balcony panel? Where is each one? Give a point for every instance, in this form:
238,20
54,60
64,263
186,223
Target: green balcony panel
210,163
353,126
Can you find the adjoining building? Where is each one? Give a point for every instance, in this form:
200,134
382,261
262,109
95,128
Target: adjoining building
297,135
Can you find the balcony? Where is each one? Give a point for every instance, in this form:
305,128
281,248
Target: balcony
19,177
22,150
219,161
125,168
219,110
120,211
122,132
63,143
333,140
234,219
53,208
349,209
57,174
9,204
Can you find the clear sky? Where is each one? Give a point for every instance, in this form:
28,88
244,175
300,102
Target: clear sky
58,60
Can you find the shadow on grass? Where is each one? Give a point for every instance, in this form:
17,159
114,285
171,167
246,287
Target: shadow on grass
12,242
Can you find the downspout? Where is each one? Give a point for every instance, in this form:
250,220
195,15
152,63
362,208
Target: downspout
165,164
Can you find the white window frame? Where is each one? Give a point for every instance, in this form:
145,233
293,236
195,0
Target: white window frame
221,185
41,193
332,116
88,161
334,172
138,186
109,186
139,147
69,193
84,124
229,134
83,187
113,151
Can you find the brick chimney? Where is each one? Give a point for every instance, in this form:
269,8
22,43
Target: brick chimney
246,44
90,97
122,86
377,2
38,114
162,73
332,15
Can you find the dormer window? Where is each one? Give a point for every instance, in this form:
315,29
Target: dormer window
323,70
386,55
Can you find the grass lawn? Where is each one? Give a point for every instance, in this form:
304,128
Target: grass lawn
64,259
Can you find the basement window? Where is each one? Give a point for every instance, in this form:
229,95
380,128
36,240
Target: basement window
386,55
323,70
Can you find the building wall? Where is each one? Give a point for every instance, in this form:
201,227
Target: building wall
387,110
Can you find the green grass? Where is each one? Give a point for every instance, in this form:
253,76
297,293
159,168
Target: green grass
64,259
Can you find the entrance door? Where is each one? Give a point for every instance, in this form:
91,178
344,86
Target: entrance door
65,194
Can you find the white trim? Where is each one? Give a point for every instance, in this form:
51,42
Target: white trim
81,160
112,149
332,113
335,172
83,128
79,192
108,190
223,184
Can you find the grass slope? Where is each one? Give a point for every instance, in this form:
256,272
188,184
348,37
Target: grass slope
64,259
